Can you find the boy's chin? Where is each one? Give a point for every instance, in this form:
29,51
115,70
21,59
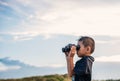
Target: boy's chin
79,55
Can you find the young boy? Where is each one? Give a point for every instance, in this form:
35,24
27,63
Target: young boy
83,68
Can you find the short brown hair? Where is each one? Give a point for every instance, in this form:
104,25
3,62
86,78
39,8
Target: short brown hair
88,41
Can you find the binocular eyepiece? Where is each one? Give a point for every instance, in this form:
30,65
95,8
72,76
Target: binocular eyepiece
68,47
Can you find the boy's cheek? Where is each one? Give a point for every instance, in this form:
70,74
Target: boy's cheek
78,53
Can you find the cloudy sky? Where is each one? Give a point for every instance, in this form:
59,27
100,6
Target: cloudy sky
32,33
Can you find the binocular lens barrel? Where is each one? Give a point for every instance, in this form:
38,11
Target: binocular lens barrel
68,47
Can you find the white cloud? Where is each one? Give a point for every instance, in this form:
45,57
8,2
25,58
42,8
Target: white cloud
111,41
114,58
4,3
52,65
5,68
75,20
2,67
1,39
24,36
101,42
67,17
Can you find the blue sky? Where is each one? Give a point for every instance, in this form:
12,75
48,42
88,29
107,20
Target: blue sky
33,32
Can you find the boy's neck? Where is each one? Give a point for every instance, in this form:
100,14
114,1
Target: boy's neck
87,55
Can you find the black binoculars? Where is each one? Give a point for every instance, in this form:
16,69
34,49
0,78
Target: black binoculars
68,47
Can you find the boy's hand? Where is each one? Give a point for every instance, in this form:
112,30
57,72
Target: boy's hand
71,53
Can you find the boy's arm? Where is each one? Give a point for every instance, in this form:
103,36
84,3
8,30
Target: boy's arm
70,62
70,66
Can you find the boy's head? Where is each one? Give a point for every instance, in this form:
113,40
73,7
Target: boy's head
87,46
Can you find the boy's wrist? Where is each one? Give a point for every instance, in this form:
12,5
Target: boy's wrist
69,57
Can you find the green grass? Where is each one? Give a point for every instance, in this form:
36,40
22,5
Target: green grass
54,77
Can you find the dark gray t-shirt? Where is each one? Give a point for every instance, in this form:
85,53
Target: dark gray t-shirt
83,68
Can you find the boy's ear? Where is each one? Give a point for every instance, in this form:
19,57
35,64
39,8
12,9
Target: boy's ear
88,49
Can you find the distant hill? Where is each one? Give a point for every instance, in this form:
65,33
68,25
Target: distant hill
18,69
55,77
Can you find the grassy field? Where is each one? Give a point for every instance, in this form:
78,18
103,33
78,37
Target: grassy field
55,77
